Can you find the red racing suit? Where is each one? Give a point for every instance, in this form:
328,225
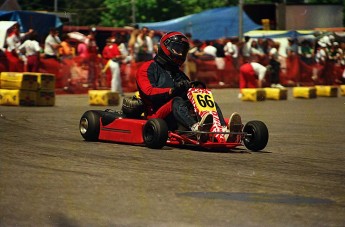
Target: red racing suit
154,84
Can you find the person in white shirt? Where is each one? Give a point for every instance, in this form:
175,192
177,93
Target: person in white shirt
274,65
13,41
52,44
252,75
231,50
245,49
210,50
145,46
32,50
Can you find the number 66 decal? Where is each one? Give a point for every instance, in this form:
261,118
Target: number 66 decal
204,102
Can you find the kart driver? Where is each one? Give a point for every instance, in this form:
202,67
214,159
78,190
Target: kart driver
163,86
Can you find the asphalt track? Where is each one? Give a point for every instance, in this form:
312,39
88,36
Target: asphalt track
49,176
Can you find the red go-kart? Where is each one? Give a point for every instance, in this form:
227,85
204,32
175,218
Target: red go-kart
114,126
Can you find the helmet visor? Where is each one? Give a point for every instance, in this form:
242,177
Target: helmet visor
178,48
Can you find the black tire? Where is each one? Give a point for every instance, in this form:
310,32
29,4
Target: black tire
258,135
89,125
155,133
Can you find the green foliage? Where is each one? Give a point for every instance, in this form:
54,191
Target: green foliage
118,13
85,12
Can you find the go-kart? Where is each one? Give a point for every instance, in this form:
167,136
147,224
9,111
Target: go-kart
114,126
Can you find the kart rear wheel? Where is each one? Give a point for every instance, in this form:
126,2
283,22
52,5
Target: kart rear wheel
89,125
155,133
257,137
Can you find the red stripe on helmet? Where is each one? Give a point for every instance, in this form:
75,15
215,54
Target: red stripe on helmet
165,37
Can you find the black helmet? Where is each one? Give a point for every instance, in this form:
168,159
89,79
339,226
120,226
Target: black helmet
174,47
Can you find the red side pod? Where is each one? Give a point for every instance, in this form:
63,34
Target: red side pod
123,131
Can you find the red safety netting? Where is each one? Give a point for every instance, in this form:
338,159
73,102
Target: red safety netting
78,75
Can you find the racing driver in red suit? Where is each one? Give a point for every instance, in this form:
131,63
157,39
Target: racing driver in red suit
163,86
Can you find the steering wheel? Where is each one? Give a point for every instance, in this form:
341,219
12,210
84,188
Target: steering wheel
197,84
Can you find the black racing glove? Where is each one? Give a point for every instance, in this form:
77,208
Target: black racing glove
181,88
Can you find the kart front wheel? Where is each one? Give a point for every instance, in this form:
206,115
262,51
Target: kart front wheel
89,125
155,133
257,135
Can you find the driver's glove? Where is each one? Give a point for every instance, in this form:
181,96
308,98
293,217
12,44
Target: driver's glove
181,88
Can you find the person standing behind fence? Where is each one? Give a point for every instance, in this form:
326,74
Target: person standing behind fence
231,51
32,50
245,49
13,41
112,54
145,46
52,44
66,51
274,65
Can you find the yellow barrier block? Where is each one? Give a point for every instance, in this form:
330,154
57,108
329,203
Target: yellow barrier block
18,81
304,92
327,91
253,94
17,97
276,93
342,90
45,98
46,81
103,98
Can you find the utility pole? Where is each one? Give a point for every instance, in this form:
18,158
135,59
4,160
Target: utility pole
240,20
133,12
55,5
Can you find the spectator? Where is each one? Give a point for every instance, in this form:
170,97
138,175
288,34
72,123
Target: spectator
120,42
220,54
66,51
245,49
13,41
262,45
292,48
92,48
151,34
321,53
145,45
252,75
231,50
32,50
274,65
210,52
52,44
90,42
256,52
196,52
306,52
112,55
133,47
83,50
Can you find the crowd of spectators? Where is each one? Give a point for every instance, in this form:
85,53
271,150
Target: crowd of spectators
23,52
321,55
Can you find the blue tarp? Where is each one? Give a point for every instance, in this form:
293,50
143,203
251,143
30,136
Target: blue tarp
40,22
208,25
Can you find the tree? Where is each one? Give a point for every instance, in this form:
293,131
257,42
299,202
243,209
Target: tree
86,12
118,13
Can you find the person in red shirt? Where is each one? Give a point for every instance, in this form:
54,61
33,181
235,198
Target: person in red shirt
112,55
